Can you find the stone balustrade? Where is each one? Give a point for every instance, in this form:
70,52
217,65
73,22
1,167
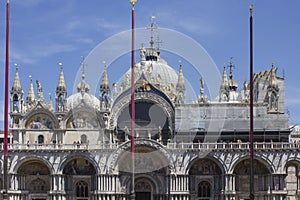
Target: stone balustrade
243,146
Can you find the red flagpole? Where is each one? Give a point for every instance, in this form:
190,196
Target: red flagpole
132,100
251,110
5,152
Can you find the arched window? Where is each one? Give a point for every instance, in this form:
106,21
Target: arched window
83,139
40,139
204,189
82,189
15,103
38,185
291,179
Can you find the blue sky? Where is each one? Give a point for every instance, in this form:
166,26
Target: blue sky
45,32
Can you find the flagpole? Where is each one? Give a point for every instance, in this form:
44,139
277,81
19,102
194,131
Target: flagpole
5,152
251,110
132,100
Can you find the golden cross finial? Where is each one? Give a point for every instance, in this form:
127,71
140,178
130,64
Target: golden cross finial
251,9
132,2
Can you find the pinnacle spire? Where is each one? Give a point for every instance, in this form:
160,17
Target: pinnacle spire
104,76
82,85
30,97
61,81
50,105
180,87
16,85
224,77
180,82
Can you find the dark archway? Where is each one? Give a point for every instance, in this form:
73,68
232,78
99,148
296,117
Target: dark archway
151,121
80,176
205,179
262,174
204,189
144,189
41,139
37,176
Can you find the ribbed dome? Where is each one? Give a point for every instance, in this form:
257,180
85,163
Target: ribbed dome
89,99
158,73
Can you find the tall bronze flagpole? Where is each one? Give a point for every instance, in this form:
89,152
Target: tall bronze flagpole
132,100
5,152
251,110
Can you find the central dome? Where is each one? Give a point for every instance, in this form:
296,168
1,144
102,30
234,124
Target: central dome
82,96
78,98
156,72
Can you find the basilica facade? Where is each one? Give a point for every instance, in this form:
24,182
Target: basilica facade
77,147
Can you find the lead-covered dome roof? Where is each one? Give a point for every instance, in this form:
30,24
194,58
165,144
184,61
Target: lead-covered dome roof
157,72
86,98
82,96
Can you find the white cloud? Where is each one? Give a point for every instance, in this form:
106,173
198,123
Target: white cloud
190,24
31,54
53,48
107,25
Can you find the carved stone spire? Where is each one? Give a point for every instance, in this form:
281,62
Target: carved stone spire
224,89
16,85
30,99
180,83
16,94
104,90
61,86
105,78
224,78
61,91
180,87
50,105
82,85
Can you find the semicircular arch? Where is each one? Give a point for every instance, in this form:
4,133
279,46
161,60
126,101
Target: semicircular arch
207,158
262,160
82,117
84,161
156,99
40,119
292,161
34,164
145,148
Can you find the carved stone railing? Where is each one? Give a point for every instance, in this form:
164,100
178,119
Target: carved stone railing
234,146
171,146
59,146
